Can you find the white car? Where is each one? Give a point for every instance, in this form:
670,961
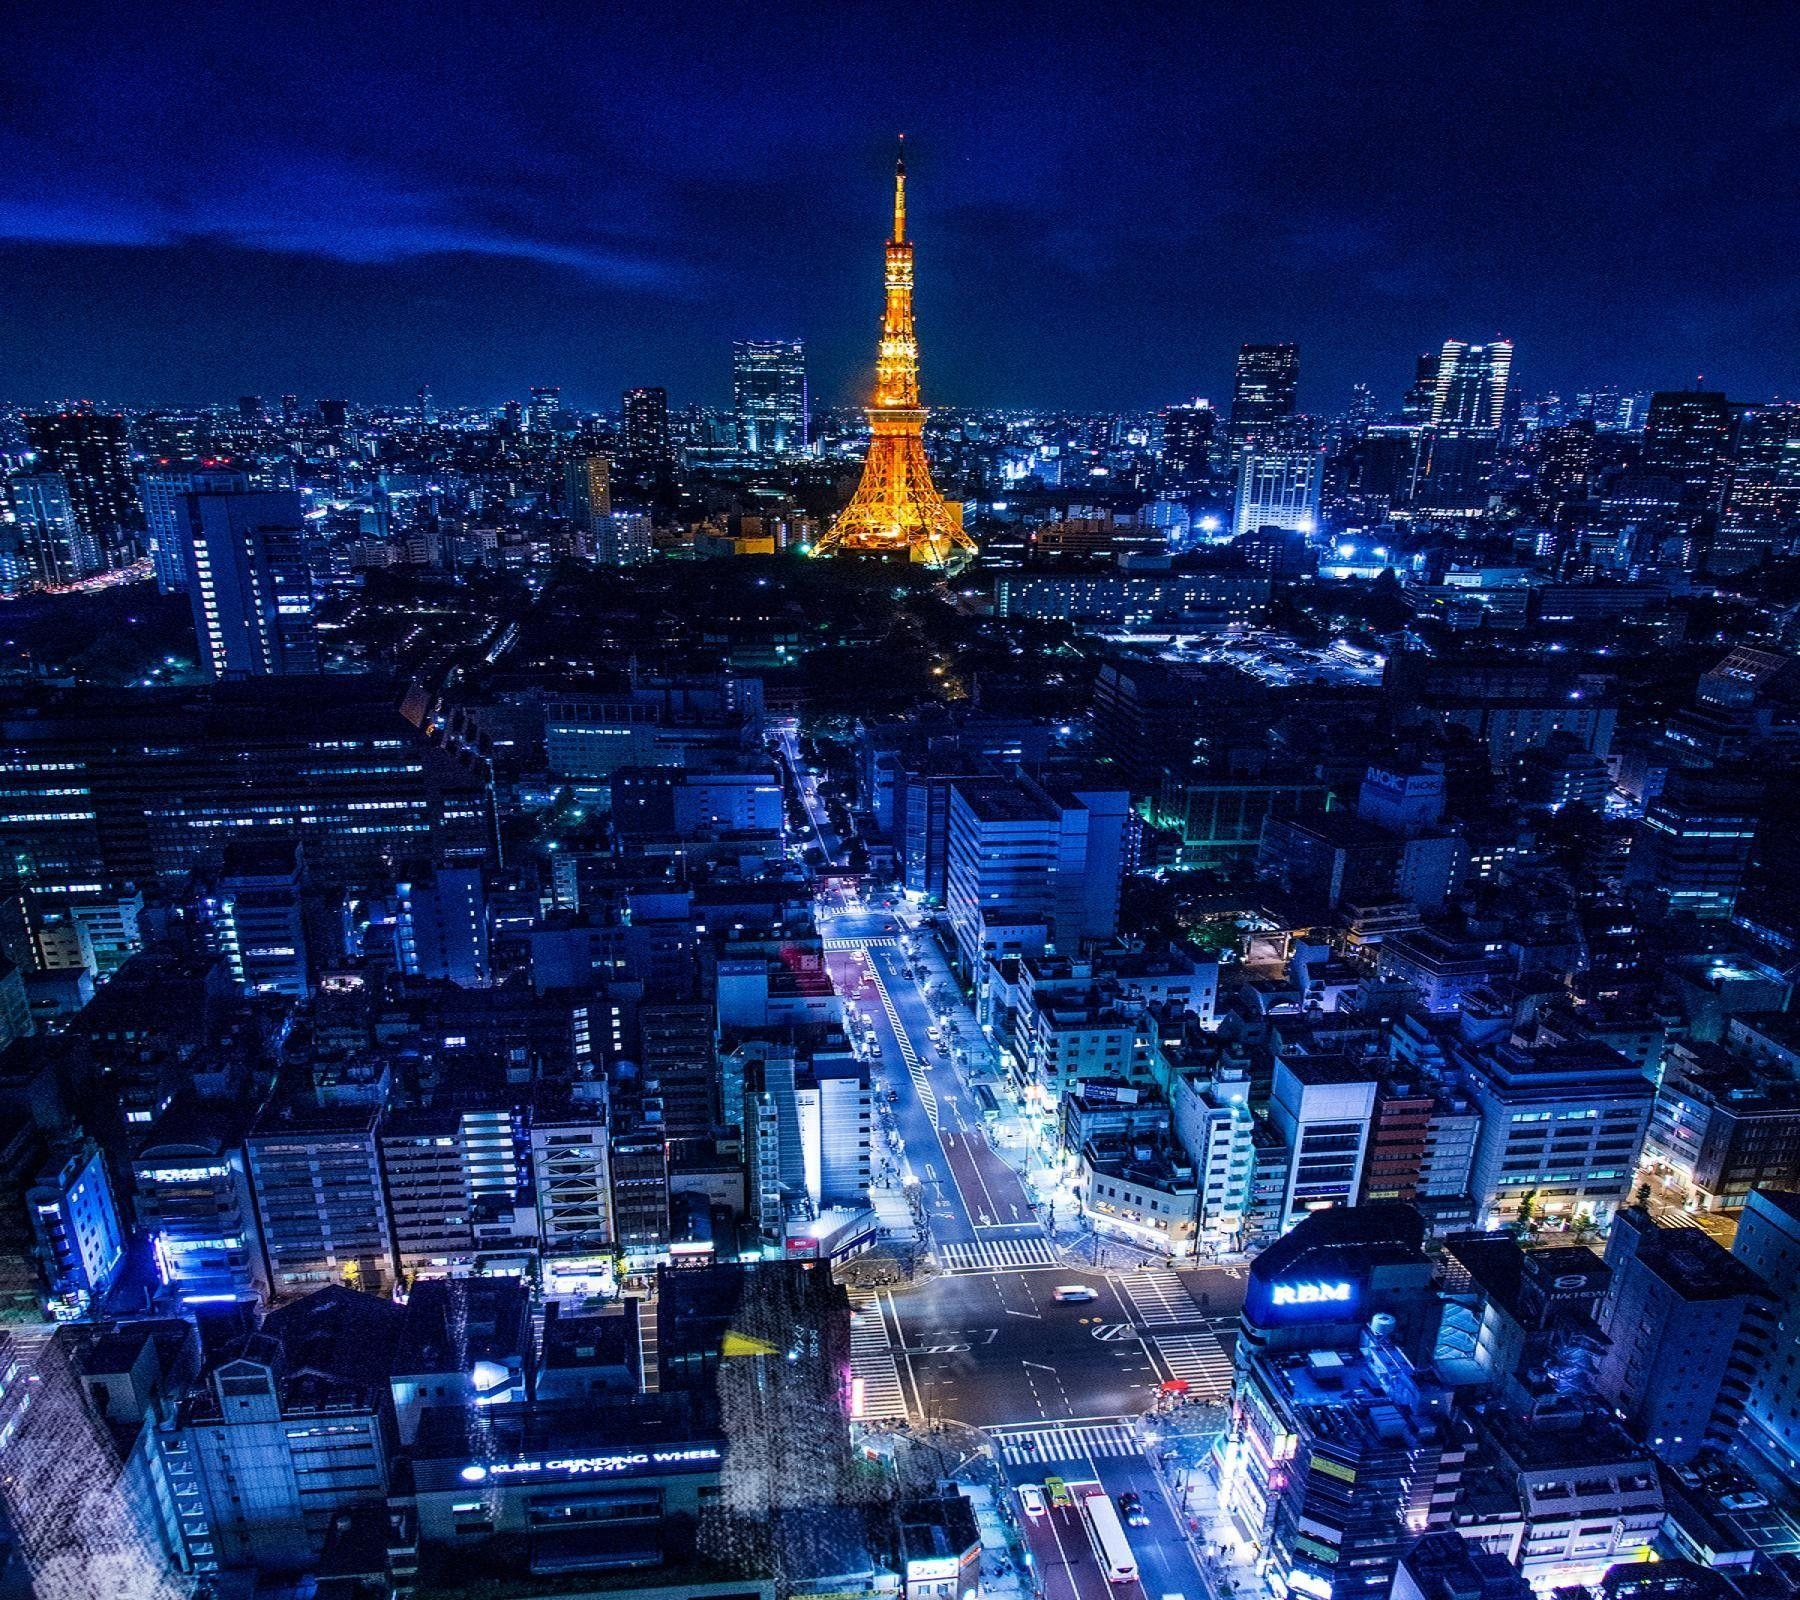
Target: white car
1075,1293
1031,1497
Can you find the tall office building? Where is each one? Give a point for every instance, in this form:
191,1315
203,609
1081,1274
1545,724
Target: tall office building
1691,848
647,448
252,588
56,547
1688,438
165,520
1768,1243
768,395
1264,389
1688,1326
1277,486
93,455
1416,404
1762,505
1187,444
543,411
1028,864
1471,383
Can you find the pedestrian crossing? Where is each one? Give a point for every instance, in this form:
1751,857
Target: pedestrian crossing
998,1255
1050,1446
1199,1360
921,1083
1159,1297
833,946
872,1362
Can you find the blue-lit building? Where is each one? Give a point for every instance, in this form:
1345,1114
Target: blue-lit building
191,1196
75,1222
164,489
250,584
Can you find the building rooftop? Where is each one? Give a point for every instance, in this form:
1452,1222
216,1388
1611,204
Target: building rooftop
451,1323
1004,800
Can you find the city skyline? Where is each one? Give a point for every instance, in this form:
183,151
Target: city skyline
1098,238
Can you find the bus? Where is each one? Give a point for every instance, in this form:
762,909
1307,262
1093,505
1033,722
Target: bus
986,1102
1108,1537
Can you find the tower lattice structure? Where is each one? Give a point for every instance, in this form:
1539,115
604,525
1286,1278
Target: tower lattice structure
897,508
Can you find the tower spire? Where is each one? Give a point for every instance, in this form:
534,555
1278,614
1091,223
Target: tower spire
900,194
897,509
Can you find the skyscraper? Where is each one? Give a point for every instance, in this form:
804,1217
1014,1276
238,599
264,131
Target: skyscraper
897,508
1688,438
1765,469
1187,444
91,452
1416,406
57,548
1278,483
1471,384
647,449
251,585
587,490
768,395
163,488
1264,390
542,413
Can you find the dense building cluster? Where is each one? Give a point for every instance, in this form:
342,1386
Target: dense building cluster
524,981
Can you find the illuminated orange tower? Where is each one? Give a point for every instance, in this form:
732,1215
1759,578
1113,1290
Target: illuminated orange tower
897,507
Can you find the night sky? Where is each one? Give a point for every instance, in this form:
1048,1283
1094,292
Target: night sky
199,201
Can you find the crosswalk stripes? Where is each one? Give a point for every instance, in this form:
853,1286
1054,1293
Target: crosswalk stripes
998,1255
1199,1360
1159,1297
872,1361
1092,1441
921,1083
833,946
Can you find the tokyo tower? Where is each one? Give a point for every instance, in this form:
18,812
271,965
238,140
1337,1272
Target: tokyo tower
897,507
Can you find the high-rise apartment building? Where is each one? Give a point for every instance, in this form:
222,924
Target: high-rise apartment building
1277,485
316,1174
648,451
1470,385
252,584
164,487
92,453
55,546
1264,389
768,394
587,497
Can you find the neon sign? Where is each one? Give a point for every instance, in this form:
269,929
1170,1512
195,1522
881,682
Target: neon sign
1312,1294
583,1466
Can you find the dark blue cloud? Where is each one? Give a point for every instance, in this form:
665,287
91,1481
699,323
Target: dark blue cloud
1108,199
